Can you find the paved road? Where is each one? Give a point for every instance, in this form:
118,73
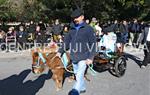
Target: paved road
16,78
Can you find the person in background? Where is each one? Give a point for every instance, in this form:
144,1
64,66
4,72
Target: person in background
65,31
123,35
140,40
21,38
10,38
56,30
2,39
31,31
146,37
40,36
98,30
93,23
135,29
48,33
87,21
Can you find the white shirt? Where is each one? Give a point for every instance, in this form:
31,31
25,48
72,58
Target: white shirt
99,29
148,35
109,41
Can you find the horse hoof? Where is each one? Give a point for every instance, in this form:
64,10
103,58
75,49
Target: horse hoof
58,89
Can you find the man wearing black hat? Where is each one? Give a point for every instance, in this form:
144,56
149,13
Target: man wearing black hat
81,41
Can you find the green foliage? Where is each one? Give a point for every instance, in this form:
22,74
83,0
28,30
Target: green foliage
2,2
25,10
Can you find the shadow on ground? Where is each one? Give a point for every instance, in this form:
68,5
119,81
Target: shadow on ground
136,59
14,85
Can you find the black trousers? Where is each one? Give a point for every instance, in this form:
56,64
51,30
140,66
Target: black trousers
147,54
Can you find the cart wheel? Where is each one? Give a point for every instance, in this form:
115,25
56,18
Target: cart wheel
120,66
112,69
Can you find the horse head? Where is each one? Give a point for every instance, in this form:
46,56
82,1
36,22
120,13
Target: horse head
40,57
37,62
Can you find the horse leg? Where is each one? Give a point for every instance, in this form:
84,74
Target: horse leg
60,84
55,78
58,76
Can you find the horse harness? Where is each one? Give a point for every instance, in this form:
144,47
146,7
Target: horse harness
63,60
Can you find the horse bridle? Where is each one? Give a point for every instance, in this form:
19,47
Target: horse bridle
40,57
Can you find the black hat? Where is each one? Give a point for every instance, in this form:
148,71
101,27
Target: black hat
76,13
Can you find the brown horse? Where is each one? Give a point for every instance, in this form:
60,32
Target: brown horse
53,62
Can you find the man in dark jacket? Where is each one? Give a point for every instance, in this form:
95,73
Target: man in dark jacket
81,40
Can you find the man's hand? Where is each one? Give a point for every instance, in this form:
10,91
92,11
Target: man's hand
89,61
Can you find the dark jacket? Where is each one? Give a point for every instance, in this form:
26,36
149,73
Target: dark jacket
31,28
124,33
115,28
40,36
135,28
121,31
80,42
144,35
57,29
21,36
